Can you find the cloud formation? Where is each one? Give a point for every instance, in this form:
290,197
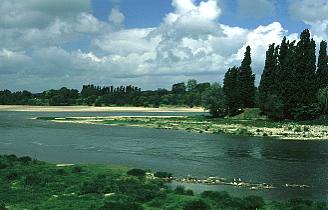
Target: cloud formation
36,45
313,13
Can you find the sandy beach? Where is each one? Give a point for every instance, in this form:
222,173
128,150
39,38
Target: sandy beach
21,108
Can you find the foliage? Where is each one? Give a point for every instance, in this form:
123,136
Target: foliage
198,204
161,174
322,71
136,172
213,99
246,81
108,187
231,89
323,100
273,107
119,202
310,112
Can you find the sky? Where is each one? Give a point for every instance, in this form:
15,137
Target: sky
48,44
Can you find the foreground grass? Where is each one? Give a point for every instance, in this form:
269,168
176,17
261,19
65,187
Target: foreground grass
32,184
249,123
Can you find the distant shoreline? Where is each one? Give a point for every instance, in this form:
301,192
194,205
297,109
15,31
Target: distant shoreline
23,108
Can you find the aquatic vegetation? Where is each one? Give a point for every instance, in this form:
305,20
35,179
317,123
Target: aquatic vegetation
33,184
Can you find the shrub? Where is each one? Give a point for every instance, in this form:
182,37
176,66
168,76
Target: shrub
11,158
180,190
189,192
77,169
196,205
253,202
323,100
93,186
2,206
11,176
138,189
119,202
35,179
61,172
307,112
97,185
25,159
136,172
161,174
274,107
3,165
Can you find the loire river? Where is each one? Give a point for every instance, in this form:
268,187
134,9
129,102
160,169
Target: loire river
266,160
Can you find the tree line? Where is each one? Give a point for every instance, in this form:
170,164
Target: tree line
293,84
181,94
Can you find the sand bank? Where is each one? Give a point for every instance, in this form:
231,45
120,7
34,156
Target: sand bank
20,108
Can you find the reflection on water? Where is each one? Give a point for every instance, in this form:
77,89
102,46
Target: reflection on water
201,155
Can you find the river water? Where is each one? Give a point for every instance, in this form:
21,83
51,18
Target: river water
278,162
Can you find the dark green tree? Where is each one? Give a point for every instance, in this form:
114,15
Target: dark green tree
322,71
213,100
305,69
179,88
231,90
247,79
268,85
191,85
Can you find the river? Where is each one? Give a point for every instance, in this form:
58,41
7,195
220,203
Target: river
278,162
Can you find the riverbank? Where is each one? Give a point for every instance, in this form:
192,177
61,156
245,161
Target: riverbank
23,108
240,125
31,184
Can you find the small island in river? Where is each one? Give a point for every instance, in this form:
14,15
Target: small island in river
249,123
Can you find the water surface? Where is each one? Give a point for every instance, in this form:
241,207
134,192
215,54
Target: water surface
252,159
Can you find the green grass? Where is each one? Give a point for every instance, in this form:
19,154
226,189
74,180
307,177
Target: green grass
32,184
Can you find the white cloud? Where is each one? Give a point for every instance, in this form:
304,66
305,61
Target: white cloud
190,42
314,13
116,18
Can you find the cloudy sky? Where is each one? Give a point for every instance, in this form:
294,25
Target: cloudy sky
149,43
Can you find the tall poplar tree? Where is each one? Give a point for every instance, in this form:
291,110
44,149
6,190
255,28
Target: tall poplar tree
231,90
305,68
267,83
247,79
322,71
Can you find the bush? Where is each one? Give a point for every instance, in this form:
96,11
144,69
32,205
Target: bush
162,175
138,189
189,192
36,179
97,185
323,100
61,172
196,205
120,202
11,158
77,169
2,206
274,107
25,159
3,165
253,202
180,190
306,112
136,172
11,176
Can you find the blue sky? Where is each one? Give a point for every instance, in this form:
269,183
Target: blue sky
149,13
146,43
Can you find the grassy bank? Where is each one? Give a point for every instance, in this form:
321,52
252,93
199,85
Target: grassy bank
32,184
249,123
